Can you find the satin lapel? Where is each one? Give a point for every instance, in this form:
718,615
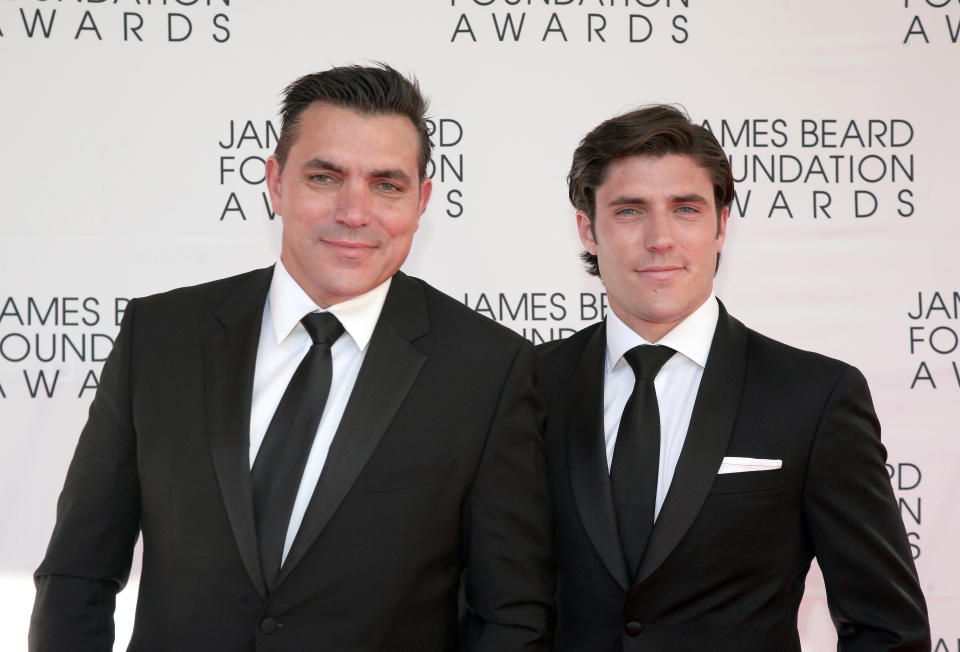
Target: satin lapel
711,424
588,458
229,360
388,372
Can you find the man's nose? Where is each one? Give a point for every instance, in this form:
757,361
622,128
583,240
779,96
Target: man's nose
353,205
658,234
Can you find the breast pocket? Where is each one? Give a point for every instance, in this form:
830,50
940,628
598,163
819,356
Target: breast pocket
408,476
748,482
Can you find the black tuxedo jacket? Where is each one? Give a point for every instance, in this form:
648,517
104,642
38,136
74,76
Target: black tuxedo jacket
725,564
438,468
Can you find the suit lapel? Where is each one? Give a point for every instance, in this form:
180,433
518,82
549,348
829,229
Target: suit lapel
388,372
588,459
711,424
229,356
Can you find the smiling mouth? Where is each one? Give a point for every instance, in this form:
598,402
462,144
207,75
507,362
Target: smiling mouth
662,272
350,249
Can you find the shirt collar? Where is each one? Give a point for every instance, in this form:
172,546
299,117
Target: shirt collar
289,303
691,337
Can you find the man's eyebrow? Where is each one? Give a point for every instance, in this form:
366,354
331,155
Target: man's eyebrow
320,164
620,201
392,173
692,198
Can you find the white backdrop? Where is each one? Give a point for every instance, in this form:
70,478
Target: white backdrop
134,134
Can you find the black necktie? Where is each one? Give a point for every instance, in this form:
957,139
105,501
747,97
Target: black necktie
279,464
636,455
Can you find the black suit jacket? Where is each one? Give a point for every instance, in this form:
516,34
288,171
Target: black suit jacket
437,469
725,565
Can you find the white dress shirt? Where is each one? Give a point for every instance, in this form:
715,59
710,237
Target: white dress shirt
676,384
283,344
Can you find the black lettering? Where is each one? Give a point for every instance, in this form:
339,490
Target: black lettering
100,337
249,133
483,306
537,306
185,21
10,310
227,145
92,26
916,27
5,348
923,373
220,22
452,197
261,170
132,29
633,37
919,312
954,33
741,209
917,476
817,206
914,547
53,348
857,211
119,305
90,381
34,309
685,35
808,133
45,28
591,30
904,197
233,204
914,340
505,307
456,171
516,30
905,507
554,20
80,353
224,159
67,310
556,300
937,303
780,203
94,312
48,387
588,307
951,343
463,27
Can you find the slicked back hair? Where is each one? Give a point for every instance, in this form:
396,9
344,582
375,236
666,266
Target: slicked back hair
367,90
656,130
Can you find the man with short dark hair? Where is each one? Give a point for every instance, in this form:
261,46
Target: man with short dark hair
697,467
315,453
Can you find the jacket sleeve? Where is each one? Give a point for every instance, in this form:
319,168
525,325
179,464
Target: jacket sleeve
507,526
90,552
859,539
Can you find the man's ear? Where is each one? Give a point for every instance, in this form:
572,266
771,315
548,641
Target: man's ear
722,227
587,238
426,189
274,187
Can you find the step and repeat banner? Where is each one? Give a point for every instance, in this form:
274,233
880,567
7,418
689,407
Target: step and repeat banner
134,135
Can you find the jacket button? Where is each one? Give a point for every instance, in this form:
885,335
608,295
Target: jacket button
634,628
269,625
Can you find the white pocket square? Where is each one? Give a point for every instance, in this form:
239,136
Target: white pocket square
744,464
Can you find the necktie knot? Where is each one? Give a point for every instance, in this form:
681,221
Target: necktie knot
323,327
646,360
